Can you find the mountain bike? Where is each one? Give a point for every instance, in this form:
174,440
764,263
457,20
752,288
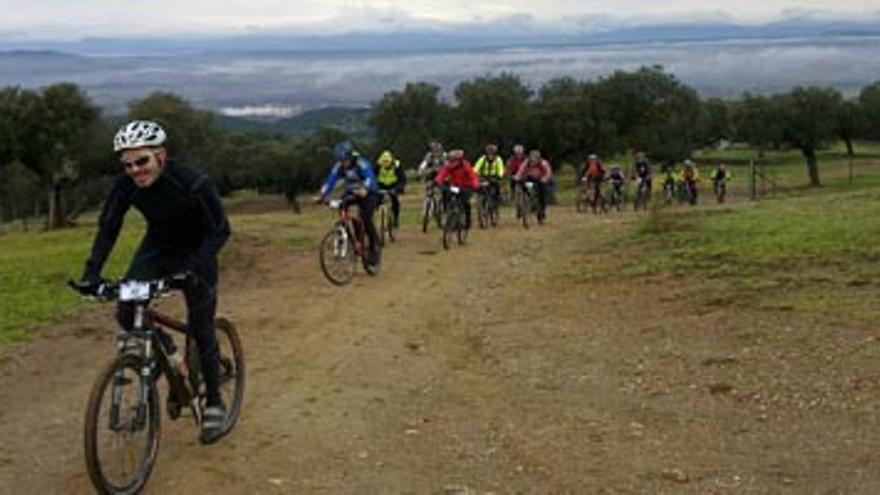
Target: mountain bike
688,192
122,418
643,194
432,207
668,190
455,223
595,198
344,244
528,204
487,212
615,198
386,218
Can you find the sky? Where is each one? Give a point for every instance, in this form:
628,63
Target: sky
67,20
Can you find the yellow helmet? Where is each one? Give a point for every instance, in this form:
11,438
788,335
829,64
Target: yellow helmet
386,159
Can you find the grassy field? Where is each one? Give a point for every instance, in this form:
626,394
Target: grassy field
801,248
35,267
817,252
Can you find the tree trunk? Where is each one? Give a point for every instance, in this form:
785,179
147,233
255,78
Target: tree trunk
55,217
850,151
812,166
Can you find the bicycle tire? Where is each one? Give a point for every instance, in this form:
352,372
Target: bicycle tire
447,234
94,420
383,227
428,207
232,370
346,260
451,225
525,210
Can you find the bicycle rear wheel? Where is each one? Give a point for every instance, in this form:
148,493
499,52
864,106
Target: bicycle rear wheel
121,431
232,370
337,256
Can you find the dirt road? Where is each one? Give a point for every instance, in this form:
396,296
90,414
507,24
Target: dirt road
504,366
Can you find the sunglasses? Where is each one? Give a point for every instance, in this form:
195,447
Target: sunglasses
139,162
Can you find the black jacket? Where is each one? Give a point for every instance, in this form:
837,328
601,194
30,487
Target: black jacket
183,212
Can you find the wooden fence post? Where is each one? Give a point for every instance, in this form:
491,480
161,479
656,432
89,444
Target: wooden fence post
752,172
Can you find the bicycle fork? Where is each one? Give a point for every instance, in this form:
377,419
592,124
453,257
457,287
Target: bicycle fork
145,373
341,242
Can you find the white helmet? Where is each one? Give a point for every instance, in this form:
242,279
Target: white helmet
138,134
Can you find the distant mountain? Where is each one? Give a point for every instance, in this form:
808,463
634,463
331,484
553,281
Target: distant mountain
351,120
467,37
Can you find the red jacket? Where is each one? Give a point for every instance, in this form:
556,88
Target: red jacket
540,171
514,163
459,176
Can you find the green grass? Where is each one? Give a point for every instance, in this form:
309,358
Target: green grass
35,267
812,252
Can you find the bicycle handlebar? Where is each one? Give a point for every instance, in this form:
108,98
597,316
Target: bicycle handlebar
132,290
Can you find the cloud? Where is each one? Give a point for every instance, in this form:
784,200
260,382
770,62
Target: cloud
61,19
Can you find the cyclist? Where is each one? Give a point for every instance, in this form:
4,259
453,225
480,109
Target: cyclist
670,179
616,179
538,171
491,168
360,189
691,177
392,180
433,161
642,171
458,172
719,177
186,228
514,162
593,173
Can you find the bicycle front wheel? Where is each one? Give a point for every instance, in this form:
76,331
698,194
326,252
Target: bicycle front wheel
525,210
122,427
383,225
449,228
428,207
337,256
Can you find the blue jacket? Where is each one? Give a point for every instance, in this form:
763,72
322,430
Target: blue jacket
360,175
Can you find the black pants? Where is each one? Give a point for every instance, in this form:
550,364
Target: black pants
393,190
152,261
367,207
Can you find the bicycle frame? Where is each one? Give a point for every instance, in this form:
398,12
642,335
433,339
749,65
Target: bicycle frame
143,340
187,394
354,227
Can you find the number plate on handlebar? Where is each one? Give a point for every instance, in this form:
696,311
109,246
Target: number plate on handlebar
454,190
335,203
134,290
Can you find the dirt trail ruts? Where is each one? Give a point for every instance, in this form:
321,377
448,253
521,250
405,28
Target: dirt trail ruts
493,367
